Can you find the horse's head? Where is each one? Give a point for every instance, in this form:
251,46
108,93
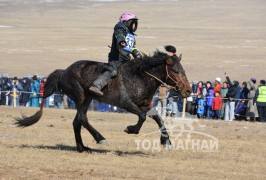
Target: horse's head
175,73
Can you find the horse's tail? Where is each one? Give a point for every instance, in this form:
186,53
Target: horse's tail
51,85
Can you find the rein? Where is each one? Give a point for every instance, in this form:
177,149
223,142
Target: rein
168,76
164,83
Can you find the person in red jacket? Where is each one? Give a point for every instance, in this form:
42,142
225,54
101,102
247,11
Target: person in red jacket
217,87
42,91
42,87
217,106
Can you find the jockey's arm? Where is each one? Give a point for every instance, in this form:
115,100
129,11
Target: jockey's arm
120,38
135,53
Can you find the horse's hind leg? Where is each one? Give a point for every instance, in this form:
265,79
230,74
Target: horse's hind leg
96,135
81,119
77,128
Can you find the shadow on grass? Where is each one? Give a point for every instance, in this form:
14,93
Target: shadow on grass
63,147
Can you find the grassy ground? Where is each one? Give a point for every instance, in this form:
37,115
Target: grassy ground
47,149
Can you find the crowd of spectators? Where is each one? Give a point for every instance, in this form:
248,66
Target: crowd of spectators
28,92
219,100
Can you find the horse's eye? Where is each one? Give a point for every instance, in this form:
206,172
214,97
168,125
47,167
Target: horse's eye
172,69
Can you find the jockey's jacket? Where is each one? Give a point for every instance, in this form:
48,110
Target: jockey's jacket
122,34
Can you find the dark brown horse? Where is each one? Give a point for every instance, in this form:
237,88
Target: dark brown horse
132,89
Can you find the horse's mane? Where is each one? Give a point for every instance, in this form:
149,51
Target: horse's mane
139,65
147,62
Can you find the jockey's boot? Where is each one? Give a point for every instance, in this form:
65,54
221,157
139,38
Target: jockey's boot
100,83
95,90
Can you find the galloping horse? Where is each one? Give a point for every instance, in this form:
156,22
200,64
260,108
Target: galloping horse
132,89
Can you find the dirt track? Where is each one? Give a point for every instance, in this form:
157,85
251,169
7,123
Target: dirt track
47,150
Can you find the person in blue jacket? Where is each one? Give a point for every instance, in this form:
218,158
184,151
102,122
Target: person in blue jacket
209,98
35,89
200,106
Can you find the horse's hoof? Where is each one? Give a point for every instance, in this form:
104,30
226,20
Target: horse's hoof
165,140
102,142
84,149
168,146
131,130
166,143
126,130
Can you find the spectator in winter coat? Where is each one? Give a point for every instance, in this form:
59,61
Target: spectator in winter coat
194,86
230,103
162,101
224,91
205,94
200,88
238,93
200,106
209,99
208,87
42,87
189,105
252,111
260,100
71,103
42,91
240,112
15,92
35,89
172,106
5,91
195,91
58,100
217,87
217,106
26,89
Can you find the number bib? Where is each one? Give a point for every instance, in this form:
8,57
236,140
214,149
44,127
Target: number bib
130,40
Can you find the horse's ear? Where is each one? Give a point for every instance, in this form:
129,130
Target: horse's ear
180,57
169,60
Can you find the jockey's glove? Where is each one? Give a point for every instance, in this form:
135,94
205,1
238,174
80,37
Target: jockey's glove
136,54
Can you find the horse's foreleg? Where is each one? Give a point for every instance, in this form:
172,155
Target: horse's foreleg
164,135
134,129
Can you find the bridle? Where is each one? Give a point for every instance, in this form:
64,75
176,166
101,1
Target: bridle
177,86
176,82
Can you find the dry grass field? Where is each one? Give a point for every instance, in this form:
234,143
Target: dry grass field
46,150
